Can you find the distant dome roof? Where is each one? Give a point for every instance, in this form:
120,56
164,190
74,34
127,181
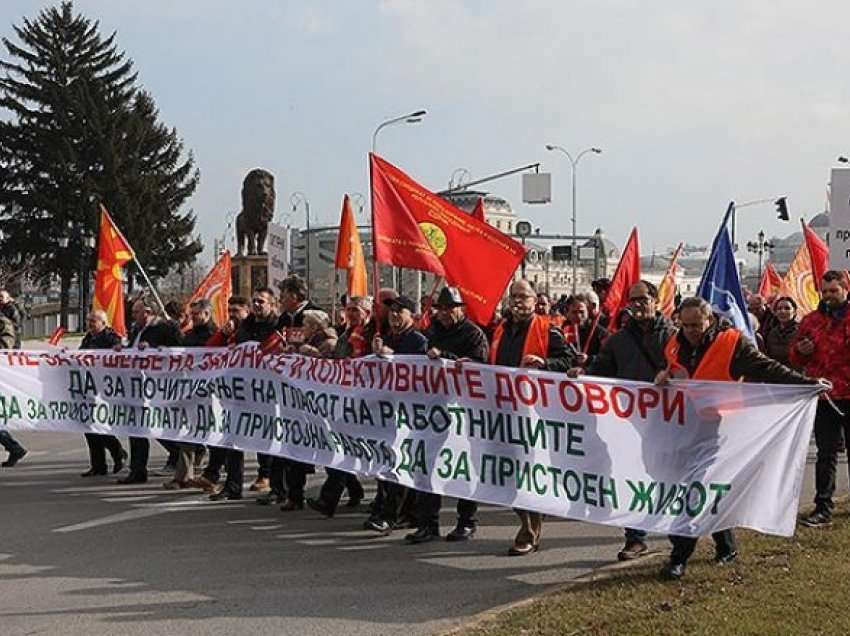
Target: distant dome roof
820,220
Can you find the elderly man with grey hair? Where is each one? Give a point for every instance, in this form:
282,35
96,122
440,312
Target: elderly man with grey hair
99,335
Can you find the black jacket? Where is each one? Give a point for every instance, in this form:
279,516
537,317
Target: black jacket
253,330
463,340
632,353
158,333
747,363
198,336
296,319
106,338
509,354
407,342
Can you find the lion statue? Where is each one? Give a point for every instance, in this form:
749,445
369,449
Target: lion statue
252,223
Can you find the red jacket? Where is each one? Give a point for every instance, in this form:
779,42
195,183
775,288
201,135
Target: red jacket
830,331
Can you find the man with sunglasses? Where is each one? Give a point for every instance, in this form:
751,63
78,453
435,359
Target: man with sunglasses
635,352
527,339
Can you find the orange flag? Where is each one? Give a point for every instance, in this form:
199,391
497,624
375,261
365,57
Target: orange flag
818,253
799,282
113,252
349,252
667,287
217,287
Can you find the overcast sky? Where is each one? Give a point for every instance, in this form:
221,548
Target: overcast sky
694,103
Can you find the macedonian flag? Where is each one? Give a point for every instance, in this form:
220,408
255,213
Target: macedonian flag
113,252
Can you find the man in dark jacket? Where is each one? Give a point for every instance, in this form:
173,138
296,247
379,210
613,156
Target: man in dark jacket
257,327
238,309
636,352
148,331
700,340
452,337
287,477
190,454
525,339
101,336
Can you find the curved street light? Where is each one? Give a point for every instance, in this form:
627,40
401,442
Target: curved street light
574,165
294,200
410,118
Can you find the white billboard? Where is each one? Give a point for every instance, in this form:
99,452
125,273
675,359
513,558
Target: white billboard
839,219
277,246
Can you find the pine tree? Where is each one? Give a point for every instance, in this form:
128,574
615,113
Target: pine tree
80,132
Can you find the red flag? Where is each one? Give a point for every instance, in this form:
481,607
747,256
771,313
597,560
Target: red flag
56,336
478,210
818,253
667,287
113,252
415,228
626,275
275,343
349,252
770,282
217,287
799,282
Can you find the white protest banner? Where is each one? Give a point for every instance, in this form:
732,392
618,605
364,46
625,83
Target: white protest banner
688,459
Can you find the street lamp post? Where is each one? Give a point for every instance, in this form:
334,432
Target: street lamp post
294,200
574,165
760,247
411,118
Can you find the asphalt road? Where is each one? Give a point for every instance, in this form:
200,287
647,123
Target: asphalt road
87,556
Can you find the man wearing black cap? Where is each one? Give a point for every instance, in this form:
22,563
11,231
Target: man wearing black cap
453,337
404,338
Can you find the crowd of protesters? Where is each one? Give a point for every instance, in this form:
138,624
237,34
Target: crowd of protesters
568,336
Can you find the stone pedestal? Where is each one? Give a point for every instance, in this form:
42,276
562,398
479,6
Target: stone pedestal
249,273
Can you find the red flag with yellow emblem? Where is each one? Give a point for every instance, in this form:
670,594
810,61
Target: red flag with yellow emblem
113,252
415,228
217,288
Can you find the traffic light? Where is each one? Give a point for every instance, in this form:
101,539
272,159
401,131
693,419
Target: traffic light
782,209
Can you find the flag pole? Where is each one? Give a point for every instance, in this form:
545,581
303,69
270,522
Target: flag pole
375,269
135,260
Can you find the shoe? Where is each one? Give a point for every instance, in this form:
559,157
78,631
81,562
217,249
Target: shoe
321,507
818,519
521,549
673,571
133,478
225,494
291,504
461,532
422,535
165,471
175,485
14,458
725,557
269,498
634,549
203,483
260,485
377,525
91,472
118,462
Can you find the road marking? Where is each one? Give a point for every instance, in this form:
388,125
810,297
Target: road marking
128,515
